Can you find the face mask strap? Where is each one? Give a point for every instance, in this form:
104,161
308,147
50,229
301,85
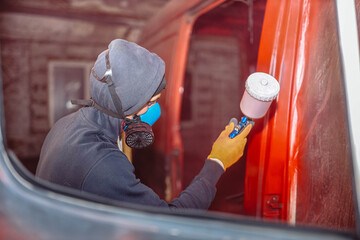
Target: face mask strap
92,103
107,79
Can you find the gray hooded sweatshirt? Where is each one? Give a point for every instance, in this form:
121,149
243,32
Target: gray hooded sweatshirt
80,150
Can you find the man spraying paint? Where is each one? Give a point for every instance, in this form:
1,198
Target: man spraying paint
81,152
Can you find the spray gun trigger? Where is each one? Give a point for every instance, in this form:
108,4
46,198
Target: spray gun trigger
240,127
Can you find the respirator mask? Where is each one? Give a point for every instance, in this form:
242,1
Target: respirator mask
138,130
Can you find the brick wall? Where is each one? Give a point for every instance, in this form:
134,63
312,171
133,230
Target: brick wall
25,86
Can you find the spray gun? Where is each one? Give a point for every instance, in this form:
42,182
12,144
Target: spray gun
241,126
260,90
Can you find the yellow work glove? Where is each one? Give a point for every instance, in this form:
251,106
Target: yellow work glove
228,150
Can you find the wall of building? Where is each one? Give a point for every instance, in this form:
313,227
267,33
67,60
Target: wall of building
35,33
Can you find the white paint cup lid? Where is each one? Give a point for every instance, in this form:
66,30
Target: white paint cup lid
262,86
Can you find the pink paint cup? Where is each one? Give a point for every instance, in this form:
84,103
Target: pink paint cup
260,90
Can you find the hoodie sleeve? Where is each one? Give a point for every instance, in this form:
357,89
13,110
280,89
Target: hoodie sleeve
114,177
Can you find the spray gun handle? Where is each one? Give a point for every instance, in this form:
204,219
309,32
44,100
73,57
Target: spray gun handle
240,127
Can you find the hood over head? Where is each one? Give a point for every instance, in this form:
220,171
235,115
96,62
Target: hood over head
136,73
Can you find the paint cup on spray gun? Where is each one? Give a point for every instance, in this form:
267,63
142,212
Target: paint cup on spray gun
260,90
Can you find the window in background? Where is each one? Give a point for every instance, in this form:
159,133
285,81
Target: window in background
67,80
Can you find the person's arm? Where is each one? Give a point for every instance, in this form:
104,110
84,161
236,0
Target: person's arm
201,191
114,177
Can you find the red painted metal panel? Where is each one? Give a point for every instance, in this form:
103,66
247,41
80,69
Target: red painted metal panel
268,149
300,175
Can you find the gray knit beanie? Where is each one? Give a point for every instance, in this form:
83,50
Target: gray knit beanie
136,73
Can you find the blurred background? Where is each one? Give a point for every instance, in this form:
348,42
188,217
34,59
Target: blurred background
47,49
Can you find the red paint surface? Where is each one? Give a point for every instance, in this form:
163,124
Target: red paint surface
304,150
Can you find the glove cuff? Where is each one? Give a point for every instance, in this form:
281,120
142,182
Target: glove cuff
218,161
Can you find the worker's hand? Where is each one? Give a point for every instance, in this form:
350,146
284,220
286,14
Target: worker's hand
228,150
